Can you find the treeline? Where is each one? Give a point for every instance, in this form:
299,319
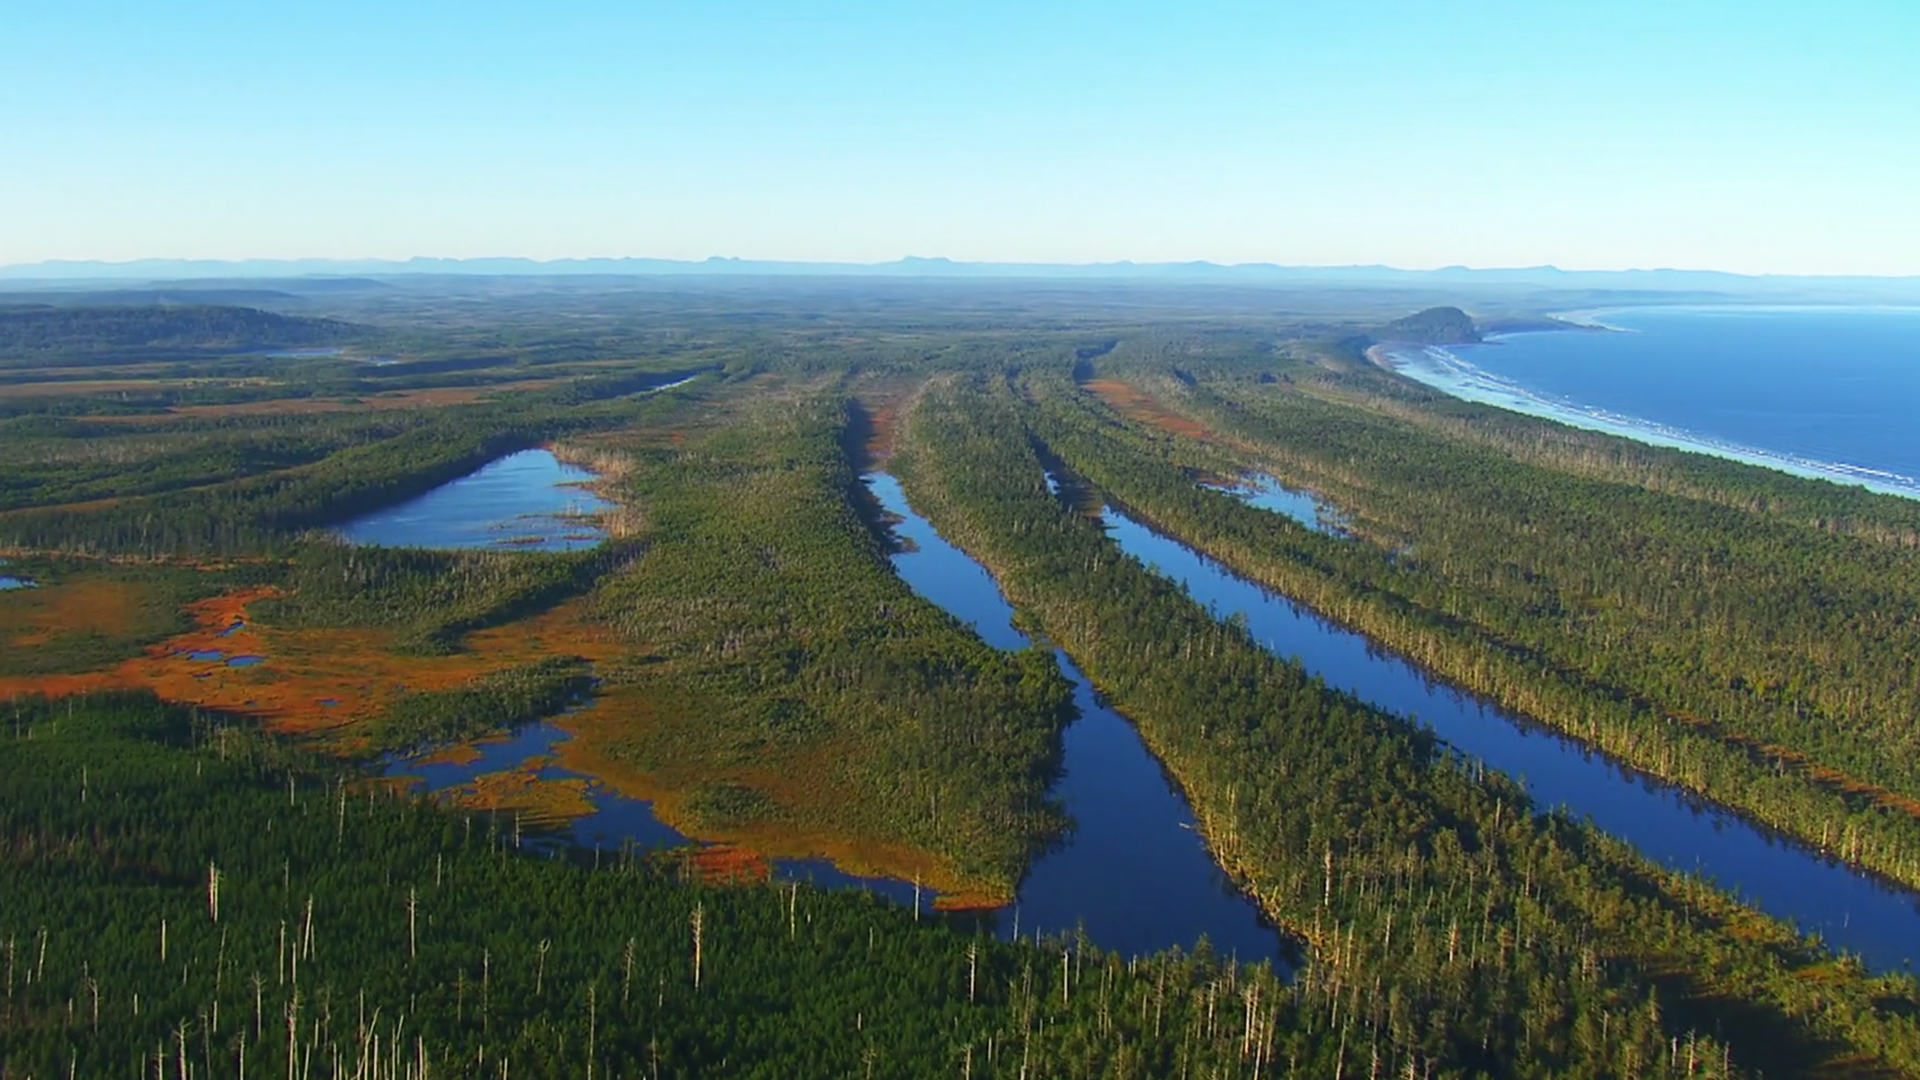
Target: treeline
1763,661
181,898
1455,926
431,599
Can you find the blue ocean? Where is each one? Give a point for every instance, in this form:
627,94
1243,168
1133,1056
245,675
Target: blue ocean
1830,392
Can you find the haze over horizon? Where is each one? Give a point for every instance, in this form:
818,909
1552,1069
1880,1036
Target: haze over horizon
164,268
1749,138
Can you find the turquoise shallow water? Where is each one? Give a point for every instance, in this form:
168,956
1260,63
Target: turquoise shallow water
1828,392
9,582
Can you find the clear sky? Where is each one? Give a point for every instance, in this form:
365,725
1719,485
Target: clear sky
1748,135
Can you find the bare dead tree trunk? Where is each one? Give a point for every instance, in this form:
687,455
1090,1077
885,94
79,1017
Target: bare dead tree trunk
699,927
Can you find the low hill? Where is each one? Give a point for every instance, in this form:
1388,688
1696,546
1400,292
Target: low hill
1434,326
40,332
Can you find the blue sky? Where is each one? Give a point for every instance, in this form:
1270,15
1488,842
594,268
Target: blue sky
1750,136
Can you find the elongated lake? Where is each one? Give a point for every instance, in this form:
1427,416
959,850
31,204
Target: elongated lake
1134,872
1849,910
529,501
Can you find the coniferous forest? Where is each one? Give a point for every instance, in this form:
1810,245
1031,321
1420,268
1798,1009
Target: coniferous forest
222,857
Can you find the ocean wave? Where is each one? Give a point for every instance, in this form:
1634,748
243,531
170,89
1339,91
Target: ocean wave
1448,371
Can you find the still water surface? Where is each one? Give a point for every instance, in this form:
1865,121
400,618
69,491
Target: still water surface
529,501
1849,910
1268,493
1134,872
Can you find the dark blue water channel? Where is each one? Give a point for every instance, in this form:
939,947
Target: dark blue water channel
1134,872
1851,911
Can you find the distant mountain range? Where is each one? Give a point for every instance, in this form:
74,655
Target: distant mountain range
1531,278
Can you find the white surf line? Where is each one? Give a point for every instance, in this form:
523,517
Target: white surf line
1445,370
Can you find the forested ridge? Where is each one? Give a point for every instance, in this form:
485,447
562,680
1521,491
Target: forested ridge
34,333
1464,928
766,606
1761,659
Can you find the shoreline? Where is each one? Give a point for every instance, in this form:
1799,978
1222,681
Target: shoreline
1438,368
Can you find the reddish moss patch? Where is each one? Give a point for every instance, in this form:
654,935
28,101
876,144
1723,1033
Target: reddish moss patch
1145,409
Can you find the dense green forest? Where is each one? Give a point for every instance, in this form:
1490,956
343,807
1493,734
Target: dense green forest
794,692
1469,929
181,898
740,652
1757,650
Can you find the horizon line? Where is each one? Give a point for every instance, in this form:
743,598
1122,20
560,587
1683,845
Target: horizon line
68,267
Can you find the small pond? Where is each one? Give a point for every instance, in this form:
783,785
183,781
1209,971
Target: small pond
528,501
1267,493
9,582
615,821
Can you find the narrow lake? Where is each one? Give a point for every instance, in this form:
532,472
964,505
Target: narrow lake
1849,910
1134,872
529,501
1264,491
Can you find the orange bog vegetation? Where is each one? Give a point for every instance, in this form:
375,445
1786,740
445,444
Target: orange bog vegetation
1144,408
309,681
